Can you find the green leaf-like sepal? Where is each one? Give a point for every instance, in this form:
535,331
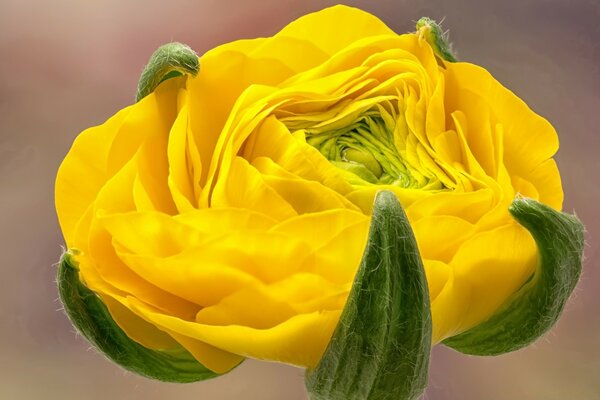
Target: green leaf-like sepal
380,348
169,61
91,317
436,37
535,308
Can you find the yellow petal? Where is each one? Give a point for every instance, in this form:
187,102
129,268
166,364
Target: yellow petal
189,276
116,197
246,188
300,340
180,180
309,292
211,357
334,28
109,268
296,53
151,335
151,233
469,206
439,236
273,140
136,328
100,152
529,139
476,126
487,270
364,196
266,306
415,58
448,307
437,273
337,238
219,221
222,78
317,229
525,188
305,196
246,116
151,191
253,307
548,184
82,173
151,116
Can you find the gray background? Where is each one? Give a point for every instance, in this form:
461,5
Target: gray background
66,65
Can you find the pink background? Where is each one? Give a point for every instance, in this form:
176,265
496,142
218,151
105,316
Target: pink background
66,65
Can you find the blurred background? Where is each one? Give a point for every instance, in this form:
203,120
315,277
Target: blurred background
66,65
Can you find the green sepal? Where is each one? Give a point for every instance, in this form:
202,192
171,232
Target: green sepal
436,37
91,317
380,348
168,61
536,307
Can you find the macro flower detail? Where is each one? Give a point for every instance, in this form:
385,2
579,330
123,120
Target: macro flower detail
246,202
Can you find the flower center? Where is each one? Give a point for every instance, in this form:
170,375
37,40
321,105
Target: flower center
366,149
372,141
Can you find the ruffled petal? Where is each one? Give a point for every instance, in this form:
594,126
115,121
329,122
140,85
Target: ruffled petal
486,270
336,27
301,340
529,139
83,172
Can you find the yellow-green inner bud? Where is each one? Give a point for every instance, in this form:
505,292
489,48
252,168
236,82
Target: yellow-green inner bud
365,158
366,149
373,146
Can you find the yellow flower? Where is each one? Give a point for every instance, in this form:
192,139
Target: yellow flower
228,212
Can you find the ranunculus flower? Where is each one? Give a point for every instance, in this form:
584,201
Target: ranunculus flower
228,212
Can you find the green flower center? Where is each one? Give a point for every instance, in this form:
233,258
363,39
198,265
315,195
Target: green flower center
366,149
370,142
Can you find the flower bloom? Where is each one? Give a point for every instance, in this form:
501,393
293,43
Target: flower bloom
227,213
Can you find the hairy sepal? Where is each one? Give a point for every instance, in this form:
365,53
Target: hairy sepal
92,319
381,346
168,61
536,307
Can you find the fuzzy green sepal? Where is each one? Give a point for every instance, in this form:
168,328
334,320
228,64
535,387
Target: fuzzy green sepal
436,37
91,317
168,61
536,307
381,346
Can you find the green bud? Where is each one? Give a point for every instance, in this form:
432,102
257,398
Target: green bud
436,37
168,61
381,346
